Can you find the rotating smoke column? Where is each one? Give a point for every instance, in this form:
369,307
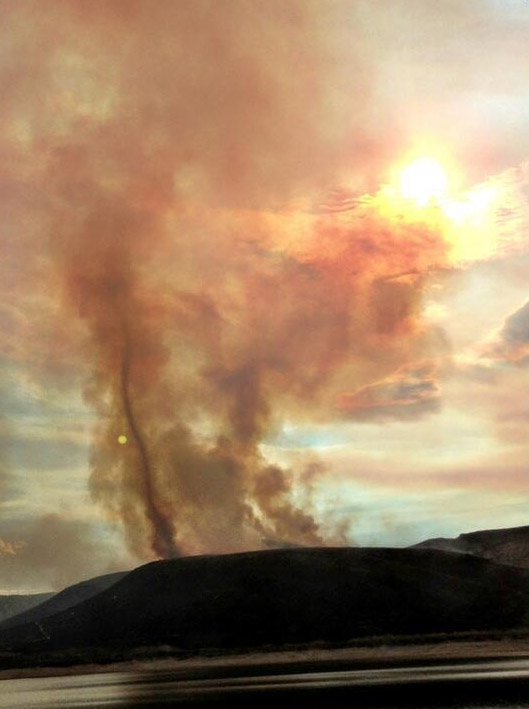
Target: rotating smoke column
162,542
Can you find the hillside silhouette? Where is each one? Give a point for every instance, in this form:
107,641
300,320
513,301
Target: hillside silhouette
55,603
16,603
504,546
288,596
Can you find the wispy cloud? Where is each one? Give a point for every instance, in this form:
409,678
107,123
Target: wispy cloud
409,393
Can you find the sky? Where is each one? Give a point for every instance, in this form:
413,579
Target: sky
263,278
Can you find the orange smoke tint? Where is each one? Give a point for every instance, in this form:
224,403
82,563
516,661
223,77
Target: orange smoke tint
154,156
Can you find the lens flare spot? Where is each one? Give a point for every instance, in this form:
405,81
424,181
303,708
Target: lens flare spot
122,439
423,181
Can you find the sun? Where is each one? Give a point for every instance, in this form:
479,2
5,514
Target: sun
423,181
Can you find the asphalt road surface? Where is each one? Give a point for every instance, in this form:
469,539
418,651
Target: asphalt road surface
498,683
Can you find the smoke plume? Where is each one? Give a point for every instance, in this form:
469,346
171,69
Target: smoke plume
163,151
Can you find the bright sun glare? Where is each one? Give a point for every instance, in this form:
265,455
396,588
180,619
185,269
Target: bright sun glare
465,218
423,180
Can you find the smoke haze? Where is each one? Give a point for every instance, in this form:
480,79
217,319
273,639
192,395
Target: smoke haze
162,162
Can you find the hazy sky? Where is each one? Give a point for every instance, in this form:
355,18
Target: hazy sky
264,277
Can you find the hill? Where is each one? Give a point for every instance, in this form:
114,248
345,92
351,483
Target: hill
288,596
50,603
504,546
13,604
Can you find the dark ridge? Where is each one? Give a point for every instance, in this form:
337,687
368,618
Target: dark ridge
14,604
288,596
504,546
54,603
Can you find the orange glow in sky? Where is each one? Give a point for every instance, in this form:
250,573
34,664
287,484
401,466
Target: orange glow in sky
427,189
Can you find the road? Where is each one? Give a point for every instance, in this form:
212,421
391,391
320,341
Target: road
498,683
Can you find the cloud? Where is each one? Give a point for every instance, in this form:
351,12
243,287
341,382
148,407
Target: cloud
408,467
435,73
511,343
409,393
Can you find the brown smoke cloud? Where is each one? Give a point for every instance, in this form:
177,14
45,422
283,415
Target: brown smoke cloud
55,552
155,150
